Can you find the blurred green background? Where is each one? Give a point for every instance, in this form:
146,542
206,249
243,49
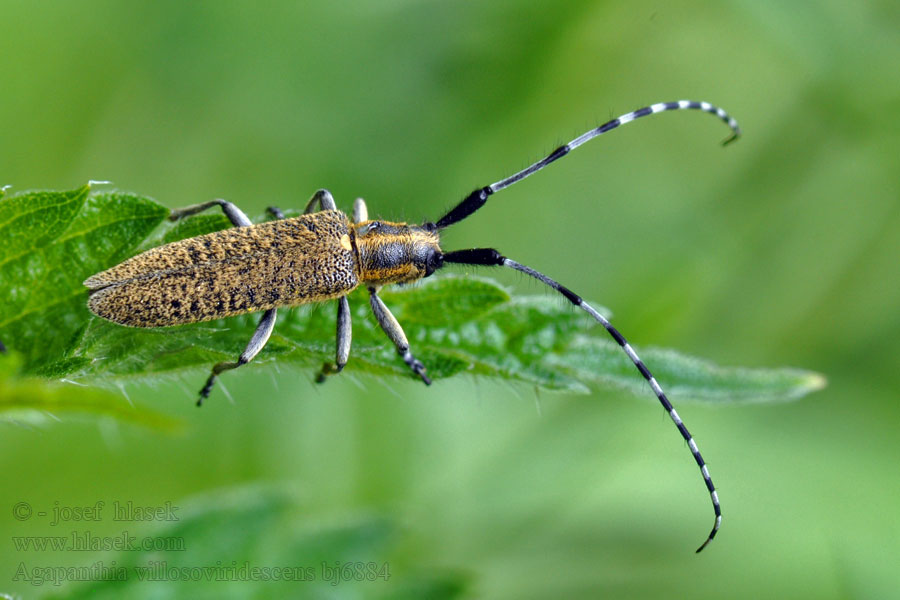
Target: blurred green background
780,250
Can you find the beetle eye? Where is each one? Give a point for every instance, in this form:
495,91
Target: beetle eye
434,262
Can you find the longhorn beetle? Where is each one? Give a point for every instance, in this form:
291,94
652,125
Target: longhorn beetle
324,256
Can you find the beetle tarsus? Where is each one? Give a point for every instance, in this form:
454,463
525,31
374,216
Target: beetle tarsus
204,393
275,212
328,368
418,368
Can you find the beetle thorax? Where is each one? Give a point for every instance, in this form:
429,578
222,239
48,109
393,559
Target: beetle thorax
395,252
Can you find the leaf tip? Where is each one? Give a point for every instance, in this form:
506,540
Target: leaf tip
814,382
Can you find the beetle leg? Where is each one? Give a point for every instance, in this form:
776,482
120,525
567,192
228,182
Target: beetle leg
344,326
259,339
234,214
344,334
323,198
360,212
275,212
393,330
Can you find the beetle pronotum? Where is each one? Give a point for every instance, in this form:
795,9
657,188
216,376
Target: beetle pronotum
324,256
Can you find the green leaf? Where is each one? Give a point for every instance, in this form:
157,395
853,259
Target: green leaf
258,542
52,241
49,243
684,377
31,399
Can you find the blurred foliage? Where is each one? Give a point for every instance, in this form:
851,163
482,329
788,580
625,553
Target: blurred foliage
260,544
779,250
35,400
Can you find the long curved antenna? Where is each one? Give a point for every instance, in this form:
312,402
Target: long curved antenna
490,257
479,197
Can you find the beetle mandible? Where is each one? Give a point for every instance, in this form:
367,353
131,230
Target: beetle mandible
324,256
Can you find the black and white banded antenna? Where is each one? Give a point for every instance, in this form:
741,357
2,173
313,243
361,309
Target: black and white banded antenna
479,197
491,257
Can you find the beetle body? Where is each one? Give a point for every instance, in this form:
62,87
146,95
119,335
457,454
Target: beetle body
311,258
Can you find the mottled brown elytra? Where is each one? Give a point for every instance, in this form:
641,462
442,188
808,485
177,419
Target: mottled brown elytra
323,256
